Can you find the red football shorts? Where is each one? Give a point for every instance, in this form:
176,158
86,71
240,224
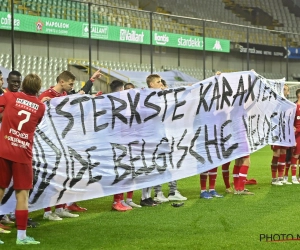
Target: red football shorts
297,147
275,147
21,173
246,156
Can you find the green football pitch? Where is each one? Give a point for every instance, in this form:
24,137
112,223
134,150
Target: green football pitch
232,222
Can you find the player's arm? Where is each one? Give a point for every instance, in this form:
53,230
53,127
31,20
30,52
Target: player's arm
2,106
89,84
43,112
45,99
41,96
3,101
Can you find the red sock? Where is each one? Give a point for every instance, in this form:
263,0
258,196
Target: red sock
287,168
236,171
21,219
294,166
129,194
212,176
242,177
60,206
118,197
47,209
203,178
225,173
281,165
274,166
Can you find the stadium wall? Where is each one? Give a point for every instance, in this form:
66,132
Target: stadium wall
69,47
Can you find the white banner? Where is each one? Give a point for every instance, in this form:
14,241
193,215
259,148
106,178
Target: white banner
90,147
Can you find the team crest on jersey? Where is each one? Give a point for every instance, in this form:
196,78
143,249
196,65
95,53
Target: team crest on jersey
39,25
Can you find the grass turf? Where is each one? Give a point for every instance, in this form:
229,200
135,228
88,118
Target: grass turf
232,222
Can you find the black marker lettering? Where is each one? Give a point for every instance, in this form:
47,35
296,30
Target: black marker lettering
193,152
164,93
118,163
178,104
66,115
213,142
216,96
160,169
144,169
240,92
227,153
80,100
97,128
185,148
251,88
202,98
151,106
227,91
133,110
133,159
116,111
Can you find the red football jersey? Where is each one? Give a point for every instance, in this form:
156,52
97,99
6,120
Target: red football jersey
22,114
297,119
51,93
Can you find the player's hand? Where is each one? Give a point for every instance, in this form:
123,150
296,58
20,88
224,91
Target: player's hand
96,75
218,73
81,92
45,99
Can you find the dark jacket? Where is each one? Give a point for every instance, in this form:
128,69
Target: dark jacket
86,88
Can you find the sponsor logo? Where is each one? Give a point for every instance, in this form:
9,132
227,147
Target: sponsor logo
161,40
278,53
98,31
131,36
191,42
60,25
6,21
298,117
39,25
27,103
244,50
268,53
261,51
18,134
16,141
218,46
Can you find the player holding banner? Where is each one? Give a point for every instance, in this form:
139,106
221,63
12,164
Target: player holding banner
296,151
279,160
240,172
16,139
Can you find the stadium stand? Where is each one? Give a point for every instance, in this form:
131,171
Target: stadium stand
220,12
121,17
228,11
52,67
280,12
47,69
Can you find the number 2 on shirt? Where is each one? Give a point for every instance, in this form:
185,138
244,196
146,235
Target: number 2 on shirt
28,114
